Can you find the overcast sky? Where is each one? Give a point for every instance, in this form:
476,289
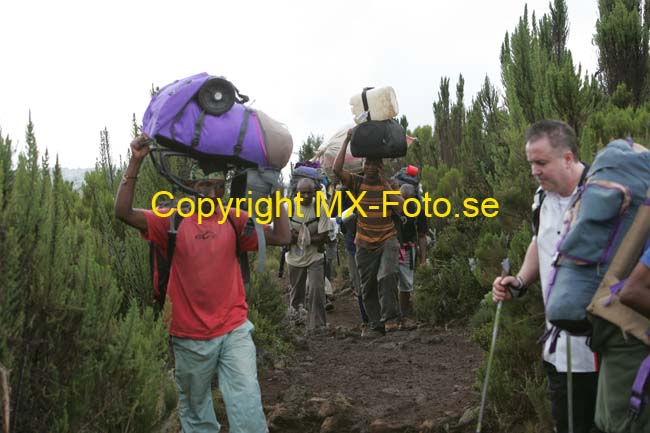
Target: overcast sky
80,66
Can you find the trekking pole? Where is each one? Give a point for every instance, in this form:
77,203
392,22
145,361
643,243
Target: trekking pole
505,271
569,385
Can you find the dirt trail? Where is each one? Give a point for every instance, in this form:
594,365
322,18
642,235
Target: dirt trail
408,381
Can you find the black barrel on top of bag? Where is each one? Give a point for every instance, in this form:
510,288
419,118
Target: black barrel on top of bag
378,139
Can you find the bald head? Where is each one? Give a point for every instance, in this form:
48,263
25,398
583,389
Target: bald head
305,185
306,190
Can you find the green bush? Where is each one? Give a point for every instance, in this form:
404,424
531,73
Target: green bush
445,292
267,310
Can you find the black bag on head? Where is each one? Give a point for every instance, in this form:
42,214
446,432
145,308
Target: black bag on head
377,139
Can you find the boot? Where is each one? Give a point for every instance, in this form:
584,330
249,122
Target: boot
407,323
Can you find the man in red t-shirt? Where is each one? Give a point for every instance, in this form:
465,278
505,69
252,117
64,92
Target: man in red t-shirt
209,326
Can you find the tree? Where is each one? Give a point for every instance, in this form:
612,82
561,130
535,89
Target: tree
559,20
404,123
105,158
6,172
423,150
309,147
63,332
622,36
539,75
442,126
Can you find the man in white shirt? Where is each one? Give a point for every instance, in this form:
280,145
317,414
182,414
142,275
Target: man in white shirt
552,152
309,232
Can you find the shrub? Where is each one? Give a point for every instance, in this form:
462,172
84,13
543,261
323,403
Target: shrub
445,292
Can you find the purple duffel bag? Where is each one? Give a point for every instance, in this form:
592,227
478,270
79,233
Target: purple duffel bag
178,118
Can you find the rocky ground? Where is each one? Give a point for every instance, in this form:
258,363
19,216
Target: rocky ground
408,381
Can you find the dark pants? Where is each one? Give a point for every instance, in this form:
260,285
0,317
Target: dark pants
362,310
378,273
585,387
356,284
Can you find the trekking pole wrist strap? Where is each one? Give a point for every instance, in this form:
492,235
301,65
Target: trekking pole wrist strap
522,284
519,290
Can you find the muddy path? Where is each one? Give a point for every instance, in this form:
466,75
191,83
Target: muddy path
421,380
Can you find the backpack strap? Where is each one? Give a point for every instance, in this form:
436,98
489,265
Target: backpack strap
234,227
313,220
540,195
637,399
174,224
198,127
242,133
583,176
538,199
242,258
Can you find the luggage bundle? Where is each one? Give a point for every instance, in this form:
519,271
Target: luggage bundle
329,150
379,136
602,225
308,170
205,117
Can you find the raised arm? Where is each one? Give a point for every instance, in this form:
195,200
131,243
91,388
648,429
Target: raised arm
124,200
344,176
280,234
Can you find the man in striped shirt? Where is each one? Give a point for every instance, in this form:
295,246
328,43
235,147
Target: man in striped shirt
376,240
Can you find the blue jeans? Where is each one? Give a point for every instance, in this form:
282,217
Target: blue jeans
232,356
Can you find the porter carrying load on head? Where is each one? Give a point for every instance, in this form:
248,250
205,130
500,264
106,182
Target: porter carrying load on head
204,117
209,327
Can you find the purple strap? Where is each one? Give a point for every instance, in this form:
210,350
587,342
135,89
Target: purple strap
612,239
553,334
646,202
556,258
614,291
551,281
639,383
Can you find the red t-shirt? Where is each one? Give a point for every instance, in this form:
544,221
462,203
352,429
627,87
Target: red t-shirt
205,286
